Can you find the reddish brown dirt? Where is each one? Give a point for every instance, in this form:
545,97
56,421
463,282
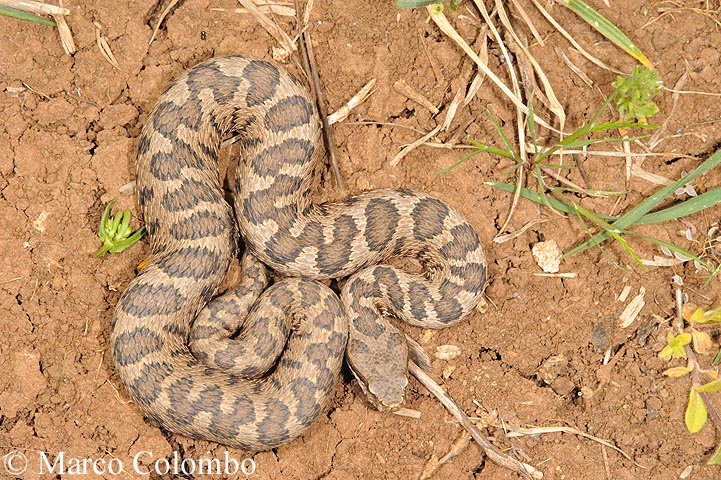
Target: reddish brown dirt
67,145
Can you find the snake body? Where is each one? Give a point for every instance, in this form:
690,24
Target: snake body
227,389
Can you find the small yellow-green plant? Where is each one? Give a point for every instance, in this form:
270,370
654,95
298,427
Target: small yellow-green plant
116,232
634,94
690,342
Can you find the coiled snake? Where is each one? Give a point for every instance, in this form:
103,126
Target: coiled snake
230,389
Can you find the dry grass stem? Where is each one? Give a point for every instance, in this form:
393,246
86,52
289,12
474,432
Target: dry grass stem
104,47
553,104
633,308
392,124
453,107
270,26
458,446
496,456
437,71
656,138
161,18
573,41
580,73
35,7
410,147
407,412
311,69
527,21
510,236
449,146
629,159
479,76
567,182
611,153
360,97
639,172
442,22
410,93
58,14
557,275
523,431
306,13
520,110
66,38
679,6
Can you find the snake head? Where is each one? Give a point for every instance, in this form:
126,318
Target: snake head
381,375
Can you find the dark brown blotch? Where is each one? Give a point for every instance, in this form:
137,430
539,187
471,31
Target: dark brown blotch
164,166
263,78
194,263
428,216
167,116
226,426
287,114
465,240
335,256
308,409
272,431
381,223
190,194
270,160
143,300
133,346
312,234
208,75
418,294
201,224
147,387
472,275
180,408
448,309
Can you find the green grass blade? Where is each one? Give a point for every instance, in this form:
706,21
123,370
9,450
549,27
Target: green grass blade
607,29
685,208
593,141
486,148
506,142
414,3
461,160
673,248
603,126
636,213
11,12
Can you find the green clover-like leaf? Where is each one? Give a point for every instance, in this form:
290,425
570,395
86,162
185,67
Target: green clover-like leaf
674,346
116,232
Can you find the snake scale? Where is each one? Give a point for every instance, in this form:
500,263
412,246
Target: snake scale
258,365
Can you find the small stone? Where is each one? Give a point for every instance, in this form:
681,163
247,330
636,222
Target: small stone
600,337
448,371
552,368
548,256
447,352
563,386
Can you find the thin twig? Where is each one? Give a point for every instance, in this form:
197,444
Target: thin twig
35,7
498,457
311,68
160,20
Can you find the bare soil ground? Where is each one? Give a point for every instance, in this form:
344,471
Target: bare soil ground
67,144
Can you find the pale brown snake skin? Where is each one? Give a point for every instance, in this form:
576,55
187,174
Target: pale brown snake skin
192,230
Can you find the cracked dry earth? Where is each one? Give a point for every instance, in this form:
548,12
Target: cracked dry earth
67,145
